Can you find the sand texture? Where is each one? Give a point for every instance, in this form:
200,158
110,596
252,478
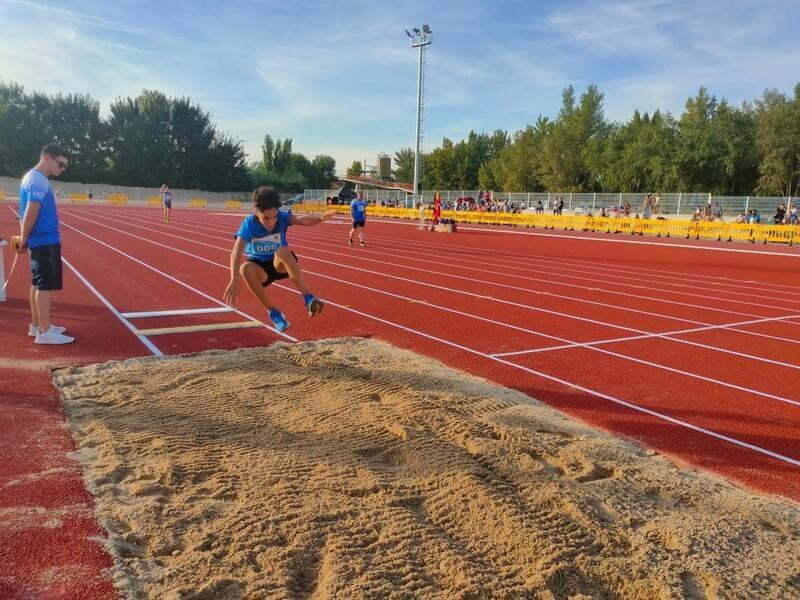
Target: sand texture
350,469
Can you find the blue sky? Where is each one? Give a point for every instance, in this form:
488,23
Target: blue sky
340,79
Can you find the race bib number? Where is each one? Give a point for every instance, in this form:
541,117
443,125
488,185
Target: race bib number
267,244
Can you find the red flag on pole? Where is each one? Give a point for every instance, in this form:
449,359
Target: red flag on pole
437,207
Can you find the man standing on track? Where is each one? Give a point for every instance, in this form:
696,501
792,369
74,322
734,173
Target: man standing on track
166,198
40,234
262,237
358,210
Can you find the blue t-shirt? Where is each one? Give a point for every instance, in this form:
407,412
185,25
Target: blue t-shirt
167,198
358,208
35,187
261,243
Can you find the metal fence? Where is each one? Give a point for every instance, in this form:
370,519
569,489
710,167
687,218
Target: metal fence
136,195
585,203
574,203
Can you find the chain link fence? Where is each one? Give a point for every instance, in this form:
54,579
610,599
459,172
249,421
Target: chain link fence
580,203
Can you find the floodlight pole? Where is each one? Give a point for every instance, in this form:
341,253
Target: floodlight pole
420,39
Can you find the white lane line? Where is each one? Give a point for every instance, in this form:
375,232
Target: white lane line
577,299
560,339
147,343
563,382
682,276
177,312
592,238
142,338
705,326
665,333
178,281
557,274
601,281
556,267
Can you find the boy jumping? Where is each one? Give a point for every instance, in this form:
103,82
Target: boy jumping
262,237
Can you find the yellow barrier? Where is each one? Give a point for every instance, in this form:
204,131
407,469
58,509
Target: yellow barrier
310,207
118,199
197,203
777,234
154,201
742,232
2,194
782,234
233,204
79,198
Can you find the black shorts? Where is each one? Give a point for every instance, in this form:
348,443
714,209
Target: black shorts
269,268
168,204
46,267
359,224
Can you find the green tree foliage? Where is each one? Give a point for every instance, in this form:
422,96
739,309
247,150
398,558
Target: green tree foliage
155,139
404,161
355,169
290,171
778,139
29,121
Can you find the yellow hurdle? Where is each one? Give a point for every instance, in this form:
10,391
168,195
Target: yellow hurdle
233,204
118,199
197,203
78,198
154,201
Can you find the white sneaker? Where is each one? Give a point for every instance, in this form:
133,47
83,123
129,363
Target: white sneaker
53,337
33,330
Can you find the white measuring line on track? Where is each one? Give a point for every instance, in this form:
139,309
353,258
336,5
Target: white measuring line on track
350,283
176,312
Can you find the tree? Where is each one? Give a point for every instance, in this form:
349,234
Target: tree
355,169
563,165
778,138
324,171
404,161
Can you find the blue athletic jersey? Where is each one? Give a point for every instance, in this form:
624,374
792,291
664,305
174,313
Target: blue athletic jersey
358,209
35,187
167,198
262,244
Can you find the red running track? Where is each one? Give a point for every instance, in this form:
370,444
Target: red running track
690,348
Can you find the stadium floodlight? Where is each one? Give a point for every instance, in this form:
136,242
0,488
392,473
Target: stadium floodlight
420,39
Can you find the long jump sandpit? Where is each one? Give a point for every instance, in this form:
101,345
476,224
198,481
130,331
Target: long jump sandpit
348,469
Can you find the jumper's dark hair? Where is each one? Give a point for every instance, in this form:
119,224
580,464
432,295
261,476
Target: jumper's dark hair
265,197
54,150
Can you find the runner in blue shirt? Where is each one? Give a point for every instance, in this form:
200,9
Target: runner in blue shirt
358,210
40,234
262,237
166,197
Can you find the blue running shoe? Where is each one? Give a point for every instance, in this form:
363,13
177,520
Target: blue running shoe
313,304
277,318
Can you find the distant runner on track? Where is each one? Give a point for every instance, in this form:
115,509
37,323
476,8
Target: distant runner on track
358,210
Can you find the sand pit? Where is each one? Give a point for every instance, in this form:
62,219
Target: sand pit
351,469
